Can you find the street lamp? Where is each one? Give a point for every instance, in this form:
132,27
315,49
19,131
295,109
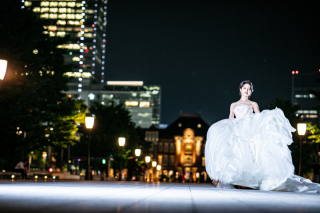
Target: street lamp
158,168
302,127
154,164
3,69
137,152
89,125
147,159
122,141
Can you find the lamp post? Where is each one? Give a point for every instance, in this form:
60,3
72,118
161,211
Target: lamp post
302,127
89,124
154,164
3,69
158,169
122,141
147,161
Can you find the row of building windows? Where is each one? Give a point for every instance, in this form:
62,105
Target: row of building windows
166,160
164,147
305,96
307,112
152,136
62,16
57,4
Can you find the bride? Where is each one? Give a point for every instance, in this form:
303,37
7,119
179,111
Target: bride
251,150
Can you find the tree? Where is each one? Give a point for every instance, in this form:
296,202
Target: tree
111,122
34,110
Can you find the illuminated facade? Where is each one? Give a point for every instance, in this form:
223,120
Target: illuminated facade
142,101
85,23
179,148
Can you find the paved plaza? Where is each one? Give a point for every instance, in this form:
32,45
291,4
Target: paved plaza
84,196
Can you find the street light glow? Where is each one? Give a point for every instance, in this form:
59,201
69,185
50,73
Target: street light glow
89,122
122,141
138,152
147,159
154,163
159,167
3,68
302,127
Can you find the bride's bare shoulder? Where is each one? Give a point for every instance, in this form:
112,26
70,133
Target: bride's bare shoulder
253,103
233,104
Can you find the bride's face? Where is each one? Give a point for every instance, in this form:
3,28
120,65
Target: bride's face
245,90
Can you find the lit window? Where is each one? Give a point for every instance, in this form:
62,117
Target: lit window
61,22
62,4
36,10
27,3
61,34
159,159
44,3
131,103
71,4
52,28
75,59
62,16
144,104
45,16
53,4
53,16
70,16
53,10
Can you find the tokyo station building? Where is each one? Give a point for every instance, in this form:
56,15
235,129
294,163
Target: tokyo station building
179,148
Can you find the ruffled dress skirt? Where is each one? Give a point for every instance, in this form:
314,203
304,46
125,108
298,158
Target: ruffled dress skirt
253,152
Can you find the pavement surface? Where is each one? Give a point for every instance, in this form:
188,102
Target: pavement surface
27,196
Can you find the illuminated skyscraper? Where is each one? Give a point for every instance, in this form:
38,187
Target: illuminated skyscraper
85,22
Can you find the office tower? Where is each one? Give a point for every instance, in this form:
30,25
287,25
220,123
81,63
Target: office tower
84,23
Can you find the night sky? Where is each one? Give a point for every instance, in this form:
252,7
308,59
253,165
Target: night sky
199,51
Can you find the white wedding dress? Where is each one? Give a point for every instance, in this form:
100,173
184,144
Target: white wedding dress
252,150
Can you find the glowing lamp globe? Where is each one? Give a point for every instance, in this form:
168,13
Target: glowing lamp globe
159,167
137,152
154,163
302,128
148,159
3,68
89,122
121,141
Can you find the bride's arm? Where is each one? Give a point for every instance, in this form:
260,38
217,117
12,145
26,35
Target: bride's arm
255,107
231,115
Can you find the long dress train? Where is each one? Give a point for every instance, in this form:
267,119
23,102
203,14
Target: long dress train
252,150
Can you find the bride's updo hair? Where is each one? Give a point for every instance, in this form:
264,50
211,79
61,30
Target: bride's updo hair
246,82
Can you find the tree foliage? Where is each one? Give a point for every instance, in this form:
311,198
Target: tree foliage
34,110
111,122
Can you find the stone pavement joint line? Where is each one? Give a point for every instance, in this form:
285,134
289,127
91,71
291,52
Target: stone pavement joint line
87,196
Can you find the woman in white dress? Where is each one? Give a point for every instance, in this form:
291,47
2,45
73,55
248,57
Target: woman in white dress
251,150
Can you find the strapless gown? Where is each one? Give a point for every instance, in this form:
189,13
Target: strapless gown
251,150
